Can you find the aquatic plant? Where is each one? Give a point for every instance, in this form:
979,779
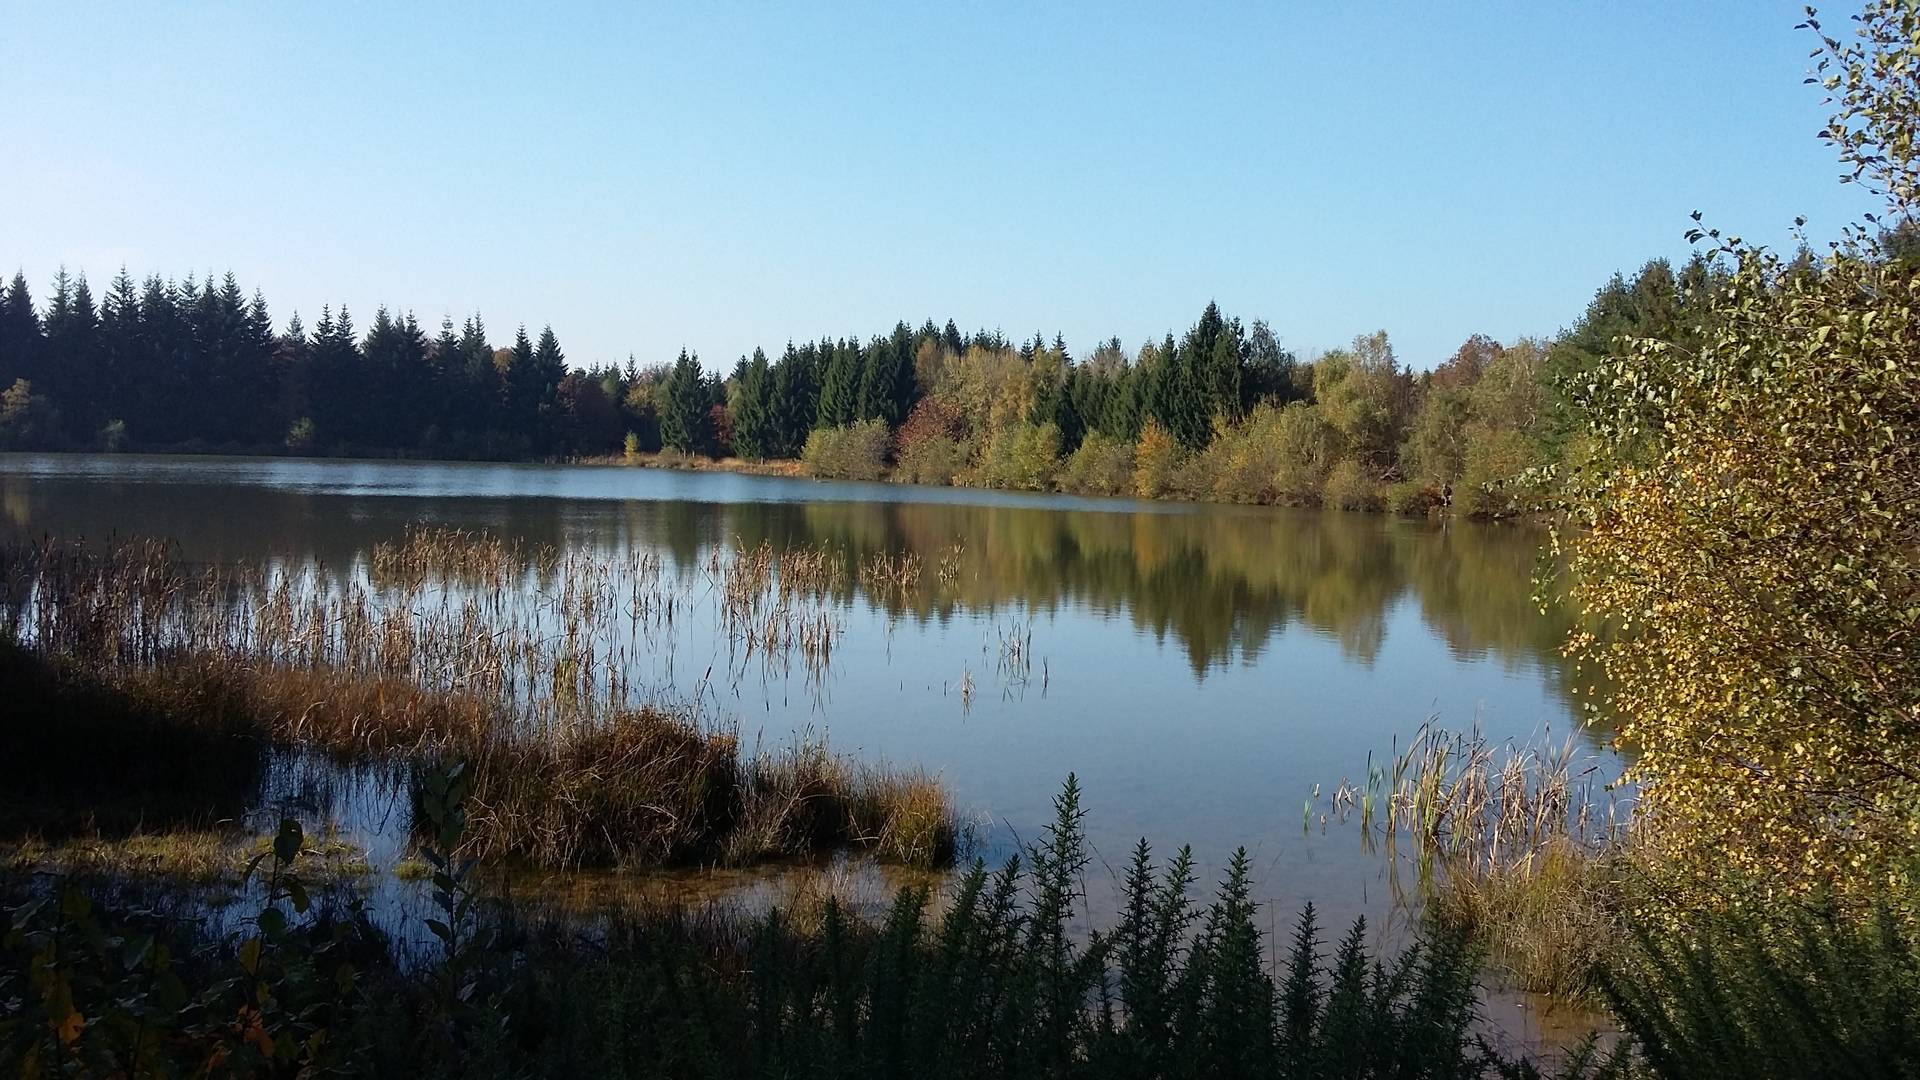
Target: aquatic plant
455,645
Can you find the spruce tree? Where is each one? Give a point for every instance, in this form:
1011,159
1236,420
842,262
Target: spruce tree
20,340
1175,397
796,395
485,394
683,414
756,427
522,392
887,383
338,380
840,386
549,368
162,344
71,376
120,365
447,377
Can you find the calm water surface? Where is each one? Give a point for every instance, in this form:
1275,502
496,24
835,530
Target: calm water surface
1199,668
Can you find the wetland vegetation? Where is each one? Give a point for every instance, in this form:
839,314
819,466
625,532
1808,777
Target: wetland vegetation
1718,866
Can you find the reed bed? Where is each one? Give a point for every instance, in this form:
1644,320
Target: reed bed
516,660
1516,843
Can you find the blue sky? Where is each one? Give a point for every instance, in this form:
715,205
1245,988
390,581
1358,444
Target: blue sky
725,176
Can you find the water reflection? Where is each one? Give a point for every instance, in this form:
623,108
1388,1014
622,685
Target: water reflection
1220,583
1200,668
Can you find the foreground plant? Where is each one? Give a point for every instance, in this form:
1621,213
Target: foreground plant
997,983
1749,532
105,993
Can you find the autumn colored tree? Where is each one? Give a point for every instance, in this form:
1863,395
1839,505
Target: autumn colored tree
1749,525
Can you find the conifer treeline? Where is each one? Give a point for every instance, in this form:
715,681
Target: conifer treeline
1223,411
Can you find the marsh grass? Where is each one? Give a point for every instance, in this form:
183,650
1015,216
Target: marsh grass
193,856
448,645
1520,845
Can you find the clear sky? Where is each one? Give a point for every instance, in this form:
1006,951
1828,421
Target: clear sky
725,176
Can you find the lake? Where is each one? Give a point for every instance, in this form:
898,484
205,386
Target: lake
1201,669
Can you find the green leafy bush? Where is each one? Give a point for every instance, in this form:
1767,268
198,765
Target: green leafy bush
1348,488
1102,465
1156,458
1412,497
1021,457
854,452
935,459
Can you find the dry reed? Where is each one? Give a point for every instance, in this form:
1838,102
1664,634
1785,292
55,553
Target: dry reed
1514,843
515,659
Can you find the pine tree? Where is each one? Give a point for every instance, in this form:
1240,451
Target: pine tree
20,340
549,368
120,365
756,424
485,393
1174,396
338,380
71,375
683,413
887,383
522,384
840,385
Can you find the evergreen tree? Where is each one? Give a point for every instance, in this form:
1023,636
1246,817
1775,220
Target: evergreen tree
1052,388
1269,370
485,396
293,356
446,378
1176,395
383,407
793,399
71,375
756,423
840,385
683,410
887,384
162,352
337,379
549,368
20,340
522,386
120,366
1211,358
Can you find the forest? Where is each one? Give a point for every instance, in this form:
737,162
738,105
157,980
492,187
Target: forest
1221,412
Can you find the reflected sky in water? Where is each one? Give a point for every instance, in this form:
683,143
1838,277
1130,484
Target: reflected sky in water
1200,668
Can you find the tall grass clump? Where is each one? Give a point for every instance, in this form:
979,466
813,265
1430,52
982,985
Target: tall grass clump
1517,845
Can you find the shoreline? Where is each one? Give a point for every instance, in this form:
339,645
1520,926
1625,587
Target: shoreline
783,468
